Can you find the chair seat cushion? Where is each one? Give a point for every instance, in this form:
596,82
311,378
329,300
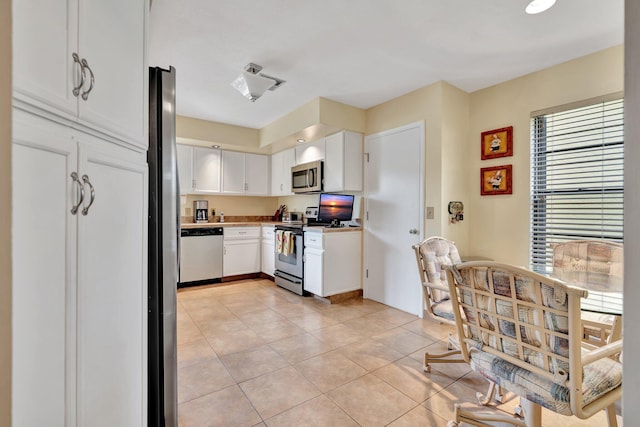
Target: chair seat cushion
599,378
444,309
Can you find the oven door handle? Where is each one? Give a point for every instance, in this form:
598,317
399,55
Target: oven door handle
289,278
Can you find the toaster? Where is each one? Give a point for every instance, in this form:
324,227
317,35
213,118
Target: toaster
292,217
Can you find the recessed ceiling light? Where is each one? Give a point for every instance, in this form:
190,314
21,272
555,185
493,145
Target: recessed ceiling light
215,146
537,6
300,140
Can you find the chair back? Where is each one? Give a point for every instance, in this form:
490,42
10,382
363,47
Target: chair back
521,330
519,315
597,263
432,254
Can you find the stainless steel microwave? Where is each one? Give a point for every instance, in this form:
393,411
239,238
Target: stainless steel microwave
307,177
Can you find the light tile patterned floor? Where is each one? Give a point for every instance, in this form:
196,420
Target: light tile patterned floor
253,354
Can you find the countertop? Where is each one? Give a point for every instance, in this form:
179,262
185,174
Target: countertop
261,223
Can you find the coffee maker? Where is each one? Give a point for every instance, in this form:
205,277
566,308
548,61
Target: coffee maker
200,211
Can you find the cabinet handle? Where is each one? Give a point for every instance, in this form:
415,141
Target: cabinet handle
85,94
76,89
74,176
85,179
281,187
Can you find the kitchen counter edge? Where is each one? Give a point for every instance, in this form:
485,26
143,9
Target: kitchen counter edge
261,223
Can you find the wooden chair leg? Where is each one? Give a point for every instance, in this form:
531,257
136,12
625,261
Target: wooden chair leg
611,416
532,413
442,358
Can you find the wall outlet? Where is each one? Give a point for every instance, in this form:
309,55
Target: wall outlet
430,213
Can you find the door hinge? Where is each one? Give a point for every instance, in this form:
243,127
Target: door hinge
367,215
366,273
367,156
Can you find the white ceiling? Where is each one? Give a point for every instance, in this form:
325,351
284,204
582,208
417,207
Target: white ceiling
362,52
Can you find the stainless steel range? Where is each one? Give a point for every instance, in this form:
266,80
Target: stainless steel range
289,264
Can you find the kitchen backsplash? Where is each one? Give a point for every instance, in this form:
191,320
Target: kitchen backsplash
253,207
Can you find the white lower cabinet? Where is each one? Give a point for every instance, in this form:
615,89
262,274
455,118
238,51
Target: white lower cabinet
332,262
268,250
79,274
241,251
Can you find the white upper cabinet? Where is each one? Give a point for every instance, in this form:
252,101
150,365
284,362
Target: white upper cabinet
245,173
43,69
232,172
343,162
310,151
281,172
256,172
83,61
185,168
206,170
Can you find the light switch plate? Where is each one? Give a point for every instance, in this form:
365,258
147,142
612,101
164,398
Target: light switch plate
430,213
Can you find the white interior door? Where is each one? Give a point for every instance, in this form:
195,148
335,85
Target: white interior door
393,218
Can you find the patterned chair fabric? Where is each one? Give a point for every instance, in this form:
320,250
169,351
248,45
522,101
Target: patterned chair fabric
516,326
432,254
597,263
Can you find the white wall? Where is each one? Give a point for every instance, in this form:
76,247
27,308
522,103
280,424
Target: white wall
631,381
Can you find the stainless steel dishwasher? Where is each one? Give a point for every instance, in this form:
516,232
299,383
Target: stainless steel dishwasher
201,255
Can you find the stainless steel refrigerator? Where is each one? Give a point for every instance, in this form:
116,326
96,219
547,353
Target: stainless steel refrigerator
164,232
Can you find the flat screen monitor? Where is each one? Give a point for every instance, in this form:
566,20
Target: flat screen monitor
335,206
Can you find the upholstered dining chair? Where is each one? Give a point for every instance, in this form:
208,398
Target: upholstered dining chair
596,265
432,254
522,330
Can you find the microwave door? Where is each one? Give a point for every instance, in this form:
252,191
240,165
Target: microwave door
300,180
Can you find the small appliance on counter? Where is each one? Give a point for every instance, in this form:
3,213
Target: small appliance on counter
200,211
292,217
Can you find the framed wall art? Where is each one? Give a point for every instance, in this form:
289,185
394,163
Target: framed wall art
496,143
495,180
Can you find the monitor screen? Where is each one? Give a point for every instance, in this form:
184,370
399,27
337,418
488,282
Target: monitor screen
335,206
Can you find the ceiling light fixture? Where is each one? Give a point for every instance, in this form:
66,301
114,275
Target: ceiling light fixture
252,84
538,6
300,140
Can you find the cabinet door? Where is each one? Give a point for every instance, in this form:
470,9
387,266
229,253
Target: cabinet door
288,160
313,272
112,288
256,174
310,152
233,172
43,264
268,257
343,162
185,168
111,37
334,163
206,162
241,257
277,179
44,38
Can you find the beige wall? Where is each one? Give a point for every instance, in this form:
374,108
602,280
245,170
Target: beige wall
205,133
444,109
232,205
505,218
5,212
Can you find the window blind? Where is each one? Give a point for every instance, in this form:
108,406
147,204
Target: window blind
577,179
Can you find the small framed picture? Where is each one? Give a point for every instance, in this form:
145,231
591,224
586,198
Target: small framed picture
496,143
495,180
